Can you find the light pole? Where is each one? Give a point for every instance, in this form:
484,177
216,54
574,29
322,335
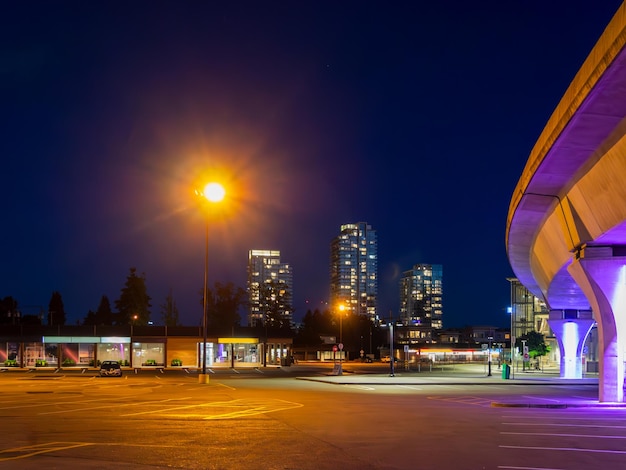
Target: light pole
490,338
342,307
212,192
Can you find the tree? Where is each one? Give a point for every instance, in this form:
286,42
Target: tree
314,325
223,304
535,343
133,306
169,311
9,312
275,305
90,318
30,320
56,311
102,316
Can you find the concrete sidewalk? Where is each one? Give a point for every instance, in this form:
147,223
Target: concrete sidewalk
470,375
466,374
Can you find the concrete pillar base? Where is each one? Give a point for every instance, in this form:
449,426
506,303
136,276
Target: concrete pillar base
203,378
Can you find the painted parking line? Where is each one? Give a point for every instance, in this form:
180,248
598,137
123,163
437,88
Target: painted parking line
550,434
562,425
534,397
359,387
410,387
464,399
35,405
30,451
109,405
566,449
221,410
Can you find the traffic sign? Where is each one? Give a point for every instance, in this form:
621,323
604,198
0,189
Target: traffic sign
340,346
334,348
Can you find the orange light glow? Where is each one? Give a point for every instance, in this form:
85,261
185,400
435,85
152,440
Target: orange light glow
214,192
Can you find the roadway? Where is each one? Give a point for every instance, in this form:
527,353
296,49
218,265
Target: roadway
303,418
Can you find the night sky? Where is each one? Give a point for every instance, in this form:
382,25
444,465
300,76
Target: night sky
416,117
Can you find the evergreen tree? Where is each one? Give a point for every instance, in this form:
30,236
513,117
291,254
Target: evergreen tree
56,311
314,325
223,304
275,304
169,311
90,318
133,306
9,312
104,314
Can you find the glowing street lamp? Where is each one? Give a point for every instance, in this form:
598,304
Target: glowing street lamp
212,192
341,308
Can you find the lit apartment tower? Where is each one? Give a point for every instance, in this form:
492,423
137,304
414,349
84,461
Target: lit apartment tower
421,295
264,271
354,269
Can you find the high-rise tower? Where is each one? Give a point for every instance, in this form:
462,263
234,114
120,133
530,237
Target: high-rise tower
270,289
421,296
354,270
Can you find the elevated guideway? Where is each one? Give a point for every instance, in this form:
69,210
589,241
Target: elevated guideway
566,226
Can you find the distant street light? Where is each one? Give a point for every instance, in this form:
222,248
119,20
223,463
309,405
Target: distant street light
212,192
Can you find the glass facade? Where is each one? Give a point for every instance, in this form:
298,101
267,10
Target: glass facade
269,281
530,313
154,351
354,270
421,296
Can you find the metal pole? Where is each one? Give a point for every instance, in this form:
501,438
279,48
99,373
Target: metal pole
340,327
391,355
489,359
204,378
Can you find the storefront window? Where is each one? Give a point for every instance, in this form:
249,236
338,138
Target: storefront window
148,354
114,352
33,354
10,354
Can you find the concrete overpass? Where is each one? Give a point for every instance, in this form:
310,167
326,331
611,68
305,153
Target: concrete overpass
566,227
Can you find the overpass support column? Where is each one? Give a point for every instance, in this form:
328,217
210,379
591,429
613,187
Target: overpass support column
602,278
571,328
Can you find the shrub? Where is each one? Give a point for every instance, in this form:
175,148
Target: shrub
41,363
69,362
10,363
177,362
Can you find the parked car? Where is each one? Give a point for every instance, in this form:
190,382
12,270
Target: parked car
110,369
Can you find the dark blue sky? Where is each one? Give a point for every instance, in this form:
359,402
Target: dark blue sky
415,117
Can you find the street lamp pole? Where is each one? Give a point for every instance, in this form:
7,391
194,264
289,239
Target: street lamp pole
204,378
489,357
341,349
212,192
341,326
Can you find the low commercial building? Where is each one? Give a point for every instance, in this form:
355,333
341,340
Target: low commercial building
28,346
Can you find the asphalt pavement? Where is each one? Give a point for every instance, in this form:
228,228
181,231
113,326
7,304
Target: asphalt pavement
467,375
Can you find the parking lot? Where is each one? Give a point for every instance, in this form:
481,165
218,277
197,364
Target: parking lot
291,418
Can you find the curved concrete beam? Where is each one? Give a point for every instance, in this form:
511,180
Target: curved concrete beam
586,125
